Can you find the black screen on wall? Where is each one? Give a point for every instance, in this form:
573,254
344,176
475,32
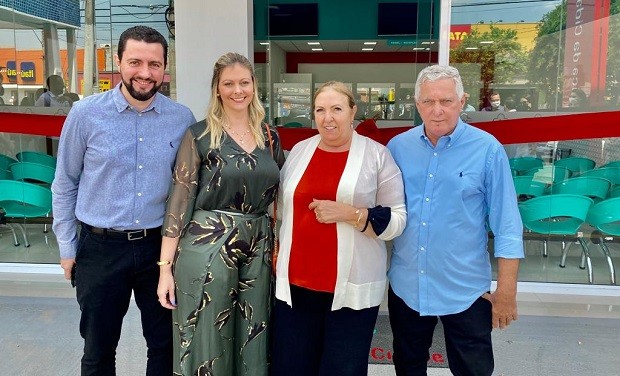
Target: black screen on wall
397,19
293,20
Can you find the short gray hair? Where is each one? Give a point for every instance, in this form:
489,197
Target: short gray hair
438,72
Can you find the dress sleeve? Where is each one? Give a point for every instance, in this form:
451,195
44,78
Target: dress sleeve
278,153
182,195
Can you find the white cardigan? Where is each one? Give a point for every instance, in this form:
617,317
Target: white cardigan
370,178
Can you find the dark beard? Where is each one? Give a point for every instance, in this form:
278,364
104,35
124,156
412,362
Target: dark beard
138,95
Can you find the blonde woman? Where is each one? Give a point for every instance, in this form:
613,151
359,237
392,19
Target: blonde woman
215,268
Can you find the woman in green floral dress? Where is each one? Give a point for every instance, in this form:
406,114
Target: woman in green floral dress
215,257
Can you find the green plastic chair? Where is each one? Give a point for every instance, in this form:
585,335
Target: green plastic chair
605,217
521,164
615,192
549,174
528,188
24,200
612,164
5,175
576,165
558,214
33,173
37,157
293,124
6,161
590,186
610,173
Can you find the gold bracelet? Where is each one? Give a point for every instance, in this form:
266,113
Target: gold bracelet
359,218
162,263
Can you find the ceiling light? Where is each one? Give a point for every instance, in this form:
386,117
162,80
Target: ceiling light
317,49
370,43
367,49
486,42
314,43
264,43
471,48
428,42
418,48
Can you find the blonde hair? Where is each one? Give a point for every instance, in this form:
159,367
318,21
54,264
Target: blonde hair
338,87
216,117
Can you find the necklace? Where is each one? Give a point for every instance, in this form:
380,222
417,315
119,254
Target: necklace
240,136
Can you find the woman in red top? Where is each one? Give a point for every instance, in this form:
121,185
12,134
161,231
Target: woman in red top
342,197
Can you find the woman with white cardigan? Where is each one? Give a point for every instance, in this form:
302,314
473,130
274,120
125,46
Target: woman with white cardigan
341,198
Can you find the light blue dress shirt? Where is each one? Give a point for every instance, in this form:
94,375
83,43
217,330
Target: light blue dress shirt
440,264
115,164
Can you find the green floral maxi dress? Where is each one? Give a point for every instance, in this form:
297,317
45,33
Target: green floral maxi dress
218,206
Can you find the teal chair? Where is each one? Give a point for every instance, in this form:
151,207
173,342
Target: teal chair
33,173
558,214
549,174
5,162
527,188
37,157
576,165
612,164
610,173
605,217
293,124
591,186
24,200
615,192
521,164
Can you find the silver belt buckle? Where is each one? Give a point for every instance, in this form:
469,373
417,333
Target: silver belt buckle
136,235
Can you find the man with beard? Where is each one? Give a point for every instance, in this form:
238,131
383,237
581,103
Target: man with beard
115,161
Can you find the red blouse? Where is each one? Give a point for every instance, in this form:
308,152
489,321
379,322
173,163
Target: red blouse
314,245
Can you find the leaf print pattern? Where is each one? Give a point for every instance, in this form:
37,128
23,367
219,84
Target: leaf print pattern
222,274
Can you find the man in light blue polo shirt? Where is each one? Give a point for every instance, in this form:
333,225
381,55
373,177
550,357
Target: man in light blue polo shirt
457,180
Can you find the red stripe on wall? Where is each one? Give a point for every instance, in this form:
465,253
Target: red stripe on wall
514,131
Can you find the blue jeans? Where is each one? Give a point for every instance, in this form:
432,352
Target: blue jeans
468,338
309,339
107,271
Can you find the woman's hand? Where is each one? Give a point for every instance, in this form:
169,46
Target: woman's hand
327,211
165,288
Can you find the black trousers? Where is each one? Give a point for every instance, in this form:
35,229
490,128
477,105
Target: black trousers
108,269
309,339
467,334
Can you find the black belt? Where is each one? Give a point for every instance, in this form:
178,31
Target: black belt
123,234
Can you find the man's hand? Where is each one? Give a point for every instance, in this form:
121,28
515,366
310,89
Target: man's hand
504,308
67,266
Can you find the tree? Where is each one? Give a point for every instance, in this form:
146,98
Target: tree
546,64
502,61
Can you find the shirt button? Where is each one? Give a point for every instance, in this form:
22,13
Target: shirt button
139,114
423,223
435,154
139,194
140,139
427,199
421,248
421,271
140,167
430,175
137,221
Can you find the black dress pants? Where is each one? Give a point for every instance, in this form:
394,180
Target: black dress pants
468,338
108,269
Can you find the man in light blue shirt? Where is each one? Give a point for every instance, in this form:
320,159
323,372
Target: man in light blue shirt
115,161
457,182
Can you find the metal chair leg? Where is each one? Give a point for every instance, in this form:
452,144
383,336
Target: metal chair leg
545,251
23,230
15,240
586,253
564,254
610,262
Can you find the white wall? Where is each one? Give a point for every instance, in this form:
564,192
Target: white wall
206,29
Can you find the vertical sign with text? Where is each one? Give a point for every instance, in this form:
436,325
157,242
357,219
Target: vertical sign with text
585,53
